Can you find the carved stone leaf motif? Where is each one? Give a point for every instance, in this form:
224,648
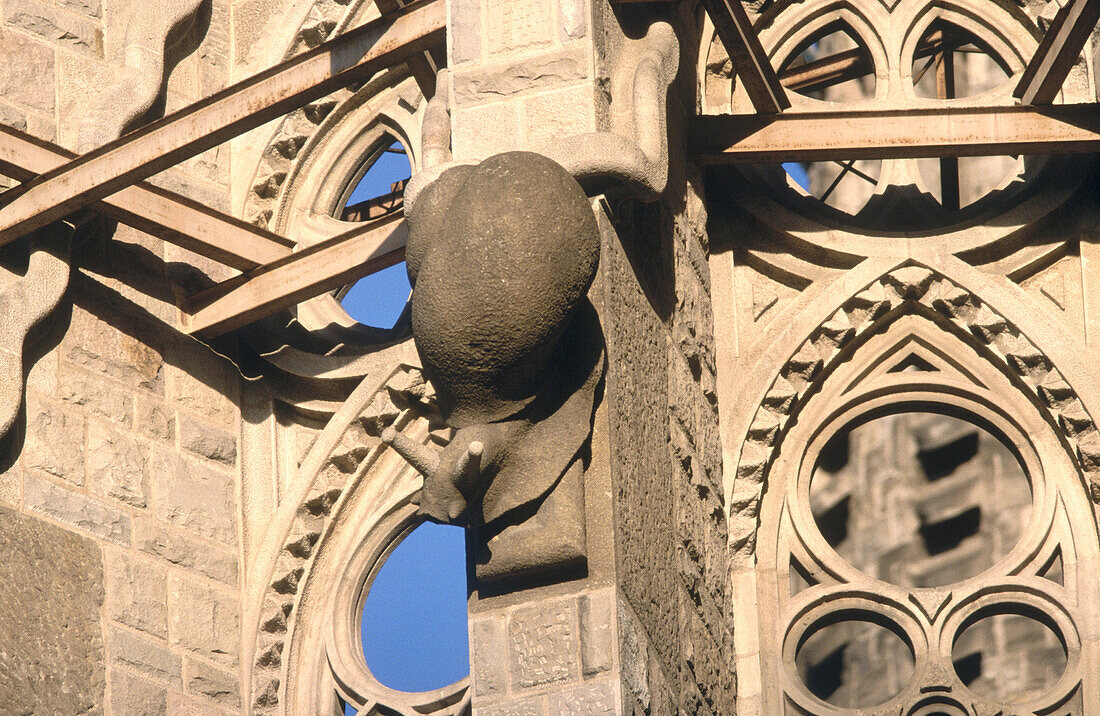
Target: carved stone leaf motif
25,303
928,291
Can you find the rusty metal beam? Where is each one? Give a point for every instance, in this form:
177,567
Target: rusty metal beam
423,66
750,62
1061,46
894,134
325,266
159,212
222,116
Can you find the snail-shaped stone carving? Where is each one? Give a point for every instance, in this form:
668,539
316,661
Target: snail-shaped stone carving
501,256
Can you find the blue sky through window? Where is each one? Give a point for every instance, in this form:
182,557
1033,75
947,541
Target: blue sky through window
414,619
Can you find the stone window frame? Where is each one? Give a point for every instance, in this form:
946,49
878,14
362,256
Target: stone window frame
930,619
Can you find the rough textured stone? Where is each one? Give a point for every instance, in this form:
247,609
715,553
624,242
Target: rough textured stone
543,72
213,684
131,696
208,442
596,615
155,420
97,397
55,442
517,24
180,549
51,644
118,465
59,27
572,19
560,114
100,347
203,619
543,640
466,30
21,82
490,656
595,699
524,707
150,657
193,497
98,519
137,593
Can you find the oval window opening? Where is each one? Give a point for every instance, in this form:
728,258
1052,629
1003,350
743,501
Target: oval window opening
379,299
414,617
854,663
919,499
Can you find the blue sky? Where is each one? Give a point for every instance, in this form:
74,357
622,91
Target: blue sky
414,618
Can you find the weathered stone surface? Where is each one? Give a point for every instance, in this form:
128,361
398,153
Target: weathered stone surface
203,384
155,420
560,114
517,24
594,699
543,72
147,656
208,442
21,82
543,640
137,593
203,619
524,707
100,347
572,19
98,397
214,684
180,549
490,655
51,644
92,516
131,696
471,144
118,465
55,442
193,497
62,28
596,614
465,28
180,705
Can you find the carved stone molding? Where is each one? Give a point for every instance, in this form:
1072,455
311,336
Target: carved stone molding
909,289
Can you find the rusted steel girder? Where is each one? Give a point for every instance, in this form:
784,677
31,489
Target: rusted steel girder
750,62
159,212
1061,46
325,266
246,105
895,133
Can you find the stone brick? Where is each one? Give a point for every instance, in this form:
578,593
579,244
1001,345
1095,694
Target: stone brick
208,442
596,614
524,707
465,30
131,696
544,644
572,19
180,705
55,442
594,699
203,619
150,657
543,72
114,351
517,24
472,143
203,384
22,82
62,28
118,465
490,656
77,510
214,684
555,115
11,486
51,643
193,497
137,593
155,420
91,8
179,549
97,396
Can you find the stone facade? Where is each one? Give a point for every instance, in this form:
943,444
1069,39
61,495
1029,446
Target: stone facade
187,525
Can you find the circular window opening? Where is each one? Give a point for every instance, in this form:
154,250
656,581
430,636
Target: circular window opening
919,499
851,660
1011,654
379,299
414,615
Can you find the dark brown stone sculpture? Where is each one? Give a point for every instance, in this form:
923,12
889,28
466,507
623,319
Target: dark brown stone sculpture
501,256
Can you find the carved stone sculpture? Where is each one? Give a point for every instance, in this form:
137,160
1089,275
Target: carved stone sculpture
501,256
